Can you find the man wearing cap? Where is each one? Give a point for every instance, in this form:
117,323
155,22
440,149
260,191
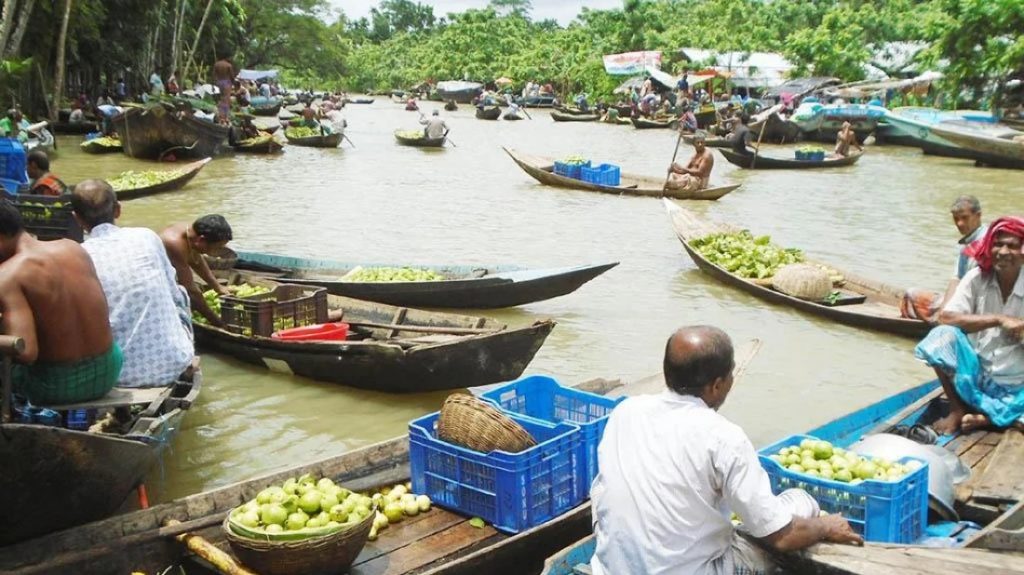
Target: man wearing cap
435,126
978,351
697,172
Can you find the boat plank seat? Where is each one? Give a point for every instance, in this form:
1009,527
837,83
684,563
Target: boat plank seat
1003,478
1003,534
877,559
117,397
421,552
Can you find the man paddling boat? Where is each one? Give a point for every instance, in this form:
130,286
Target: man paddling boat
435,126
697,172
978,352
671,470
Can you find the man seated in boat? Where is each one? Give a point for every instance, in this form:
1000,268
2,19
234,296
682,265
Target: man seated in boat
672,470
52,299
978,351
186,244
435,126
844,139
925,304
246,129
43,181
740,136
149,311
697,172
687,120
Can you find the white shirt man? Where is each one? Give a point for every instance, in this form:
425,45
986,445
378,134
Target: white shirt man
1000,353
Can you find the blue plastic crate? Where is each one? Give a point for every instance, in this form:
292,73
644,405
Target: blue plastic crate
604,175
883,511
512,491
13,160
542,397
570,170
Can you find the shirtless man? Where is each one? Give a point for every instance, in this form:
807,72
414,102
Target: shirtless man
223,78
844,139
185,245
50,297
695,175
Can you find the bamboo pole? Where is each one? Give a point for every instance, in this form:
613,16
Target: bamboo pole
199,34
58,82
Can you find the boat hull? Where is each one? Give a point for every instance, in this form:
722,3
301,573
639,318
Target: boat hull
149,133
191,171
568,117
491,113
326,141
420,142
751,162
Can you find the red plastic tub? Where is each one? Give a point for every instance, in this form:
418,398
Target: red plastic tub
320,332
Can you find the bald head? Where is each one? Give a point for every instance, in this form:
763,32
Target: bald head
695,357
95,203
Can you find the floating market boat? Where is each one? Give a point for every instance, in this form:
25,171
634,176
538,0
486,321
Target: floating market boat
392,349
359,100
470,287
262,144
822,122
776,129
460,91
646,124
488,113
75,128
574,111
991,498
749,162
103,145
510,116
1003,150
542,170
154,131
541,101
911,126
564,117
710,141
265,106
324,141
405,138
182,175
55,478
861,302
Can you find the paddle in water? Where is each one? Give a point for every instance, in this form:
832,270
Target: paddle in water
447,139
343,135
674,155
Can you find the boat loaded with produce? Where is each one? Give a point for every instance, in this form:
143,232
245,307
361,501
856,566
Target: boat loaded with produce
138,184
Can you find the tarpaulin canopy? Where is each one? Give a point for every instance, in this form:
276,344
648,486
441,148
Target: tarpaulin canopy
630,63
256,74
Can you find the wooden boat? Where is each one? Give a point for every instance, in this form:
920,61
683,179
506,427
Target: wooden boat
421,142
470,287
151,132
75,128
324,141
392,349
451,106
563,117
1005,150
101,146
646,124
573,111
270,109
911,126
542,170
458,90
539,101
188,171
55,478
770,163
776,129
359,101
511,117
263,144
710,141
867,304
620,120
488,113
991,498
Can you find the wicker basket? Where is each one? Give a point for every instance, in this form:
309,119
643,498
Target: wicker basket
470,422
804,281
224,259
326,555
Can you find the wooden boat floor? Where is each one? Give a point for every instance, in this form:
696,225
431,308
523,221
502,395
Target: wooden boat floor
117,397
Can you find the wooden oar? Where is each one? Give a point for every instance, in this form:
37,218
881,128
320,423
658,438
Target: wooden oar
523,108
449,140
345,136
757,150
674,155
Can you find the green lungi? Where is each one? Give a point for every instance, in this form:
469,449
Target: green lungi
55,383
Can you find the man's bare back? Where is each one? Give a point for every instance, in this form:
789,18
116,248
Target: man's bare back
223,70
53,299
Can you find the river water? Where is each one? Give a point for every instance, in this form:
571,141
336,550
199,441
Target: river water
885,218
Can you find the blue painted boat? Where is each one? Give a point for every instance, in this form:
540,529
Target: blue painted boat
912,126
821,122
920,404
464,287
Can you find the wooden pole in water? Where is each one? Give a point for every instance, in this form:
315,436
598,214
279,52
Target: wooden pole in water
757,150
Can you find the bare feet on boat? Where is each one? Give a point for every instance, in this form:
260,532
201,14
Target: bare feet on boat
949,424
973,421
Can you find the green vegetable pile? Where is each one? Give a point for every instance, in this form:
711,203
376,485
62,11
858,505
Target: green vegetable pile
810,149
744,255
405,274
131,179
302,132
40,213
575,160
213,298
410,134
105,141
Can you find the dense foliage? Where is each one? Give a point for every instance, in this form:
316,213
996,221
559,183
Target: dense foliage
403,43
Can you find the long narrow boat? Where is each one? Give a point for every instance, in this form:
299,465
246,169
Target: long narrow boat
1004,150
325,141
645,124
392,349
101,146
488,113
990,498
710,141
418,142
564,117
266,107
186,173
542,170
769,163
879,310
912,126
262,144
55,478
154,131
468,287
75,128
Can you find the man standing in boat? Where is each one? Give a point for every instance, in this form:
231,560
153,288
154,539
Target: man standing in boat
223,77
740,136
149,311
978,352
186,244
925,304
671,470
697,172
51,298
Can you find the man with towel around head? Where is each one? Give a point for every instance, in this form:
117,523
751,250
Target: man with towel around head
978,351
